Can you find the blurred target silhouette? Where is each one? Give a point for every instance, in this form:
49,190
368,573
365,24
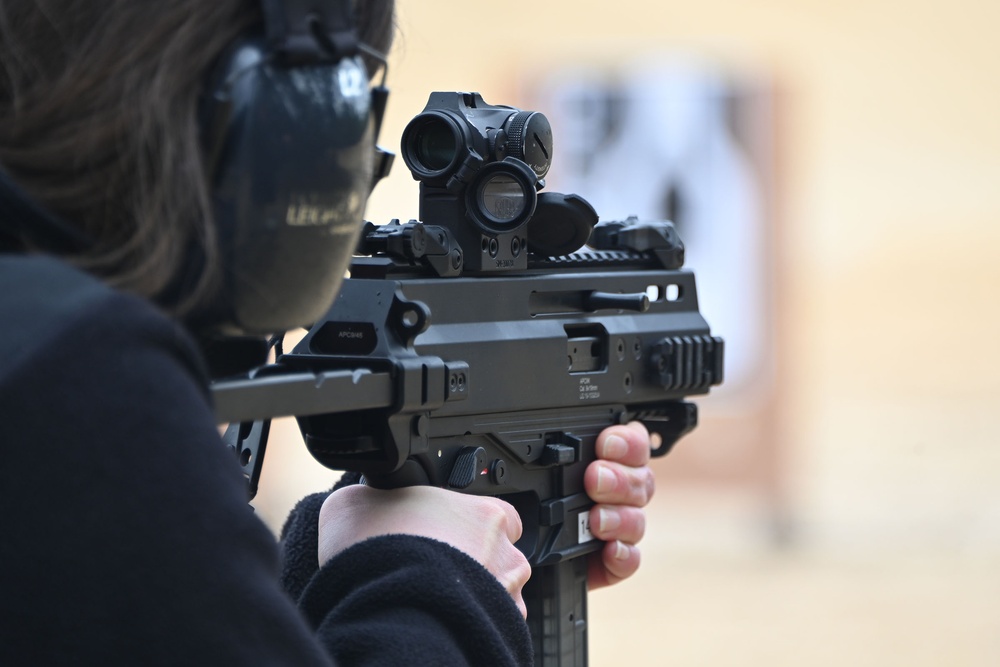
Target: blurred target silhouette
683,141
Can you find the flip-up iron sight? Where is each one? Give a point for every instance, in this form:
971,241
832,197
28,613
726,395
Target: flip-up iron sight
480,168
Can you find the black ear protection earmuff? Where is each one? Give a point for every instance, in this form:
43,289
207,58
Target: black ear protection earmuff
289,129
288,126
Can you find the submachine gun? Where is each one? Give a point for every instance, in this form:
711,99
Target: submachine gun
481,350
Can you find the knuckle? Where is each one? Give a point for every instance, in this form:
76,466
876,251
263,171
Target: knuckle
523,570
643,485
502,516
342,499
516,571
640,526
637,527
633,526
642,445
513,524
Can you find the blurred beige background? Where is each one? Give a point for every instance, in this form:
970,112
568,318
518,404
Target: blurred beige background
888,382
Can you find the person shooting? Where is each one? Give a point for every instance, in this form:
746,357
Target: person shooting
143,224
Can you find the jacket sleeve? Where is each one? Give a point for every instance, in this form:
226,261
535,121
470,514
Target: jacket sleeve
401,600
127,538
405,600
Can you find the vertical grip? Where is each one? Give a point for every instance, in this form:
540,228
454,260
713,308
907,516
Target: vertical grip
556,598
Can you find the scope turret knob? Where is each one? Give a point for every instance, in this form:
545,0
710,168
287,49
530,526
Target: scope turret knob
497,141
529,139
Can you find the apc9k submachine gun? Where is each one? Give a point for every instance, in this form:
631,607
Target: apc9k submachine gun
481,350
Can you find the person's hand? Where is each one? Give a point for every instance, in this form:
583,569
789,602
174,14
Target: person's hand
621,483
482,527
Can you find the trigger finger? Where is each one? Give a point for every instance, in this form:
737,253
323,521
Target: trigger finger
628,444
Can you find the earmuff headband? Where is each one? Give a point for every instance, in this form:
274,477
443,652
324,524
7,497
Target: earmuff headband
304,31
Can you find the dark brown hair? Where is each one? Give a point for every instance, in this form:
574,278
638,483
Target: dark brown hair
98,121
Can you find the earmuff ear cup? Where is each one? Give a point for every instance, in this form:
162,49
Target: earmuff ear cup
290,152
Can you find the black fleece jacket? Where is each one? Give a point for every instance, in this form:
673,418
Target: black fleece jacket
125,537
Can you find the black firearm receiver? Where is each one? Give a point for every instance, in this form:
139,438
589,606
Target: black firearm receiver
481,350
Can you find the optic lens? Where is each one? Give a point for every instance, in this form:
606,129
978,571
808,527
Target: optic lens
435,144
502,198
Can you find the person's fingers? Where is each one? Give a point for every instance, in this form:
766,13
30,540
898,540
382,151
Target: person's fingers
621,483
628,444
484,528
516,572
511,520
612,483
615,562
500,556
626,524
